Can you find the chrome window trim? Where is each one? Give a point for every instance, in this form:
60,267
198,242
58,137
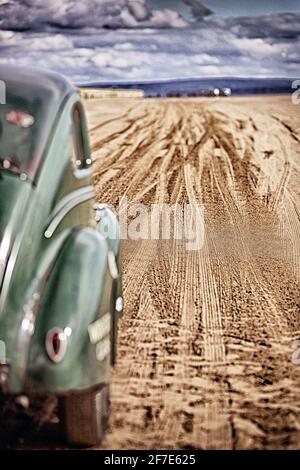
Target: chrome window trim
65,206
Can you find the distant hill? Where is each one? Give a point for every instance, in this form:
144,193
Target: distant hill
202,86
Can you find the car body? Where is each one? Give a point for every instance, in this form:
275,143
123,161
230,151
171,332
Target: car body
60,280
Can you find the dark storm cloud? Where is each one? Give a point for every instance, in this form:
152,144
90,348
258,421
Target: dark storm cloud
199,10
20,15
272,27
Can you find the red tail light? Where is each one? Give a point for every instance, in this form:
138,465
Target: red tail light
56,344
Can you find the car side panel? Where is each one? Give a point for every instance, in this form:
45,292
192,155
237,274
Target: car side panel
108,226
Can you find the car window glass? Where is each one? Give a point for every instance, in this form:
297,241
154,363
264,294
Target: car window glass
78,154
26,121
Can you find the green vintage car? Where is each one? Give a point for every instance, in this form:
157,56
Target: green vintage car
60,282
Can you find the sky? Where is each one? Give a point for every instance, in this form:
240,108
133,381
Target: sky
234,7
135,40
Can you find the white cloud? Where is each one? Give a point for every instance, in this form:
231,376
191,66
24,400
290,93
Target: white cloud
7,35
204,59
257,46
56,42
167,19
125,46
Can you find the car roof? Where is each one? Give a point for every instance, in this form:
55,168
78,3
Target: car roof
30,77
41,95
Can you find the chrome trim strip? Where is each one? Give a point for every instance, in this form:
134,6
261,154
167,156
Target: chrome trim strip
5,249
112,265
65,206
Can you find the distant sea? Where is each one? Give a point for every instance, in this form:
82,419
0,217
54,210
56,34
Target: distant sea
202,86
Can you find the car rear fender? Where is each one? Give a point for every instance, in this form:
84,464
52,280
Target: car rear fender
76,297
